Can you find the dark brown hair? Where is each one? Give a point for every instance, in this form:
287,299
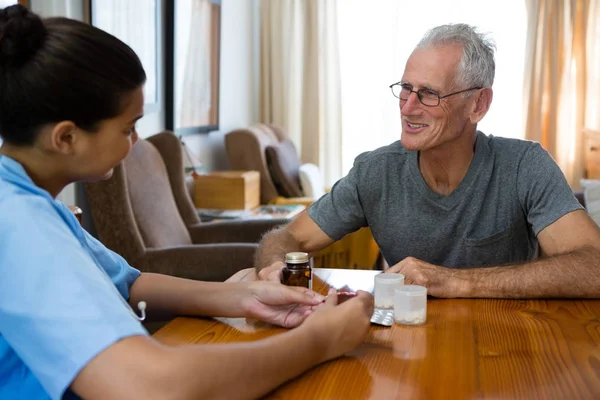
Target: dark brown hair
58,69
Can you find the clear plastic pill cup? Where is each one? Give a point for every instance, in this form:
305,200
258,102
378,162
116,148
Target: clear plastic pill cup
410,305
385,284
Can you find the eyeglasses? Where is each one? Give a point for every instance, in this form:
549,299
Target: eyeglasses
427,97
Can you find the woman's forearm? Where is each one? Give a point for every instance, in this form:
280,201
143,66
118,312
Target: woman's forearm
258,366
138,367
166,296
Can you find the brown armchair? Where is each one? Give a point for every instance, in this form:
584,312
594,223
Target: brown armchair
579,196
254,148
267,149
144,213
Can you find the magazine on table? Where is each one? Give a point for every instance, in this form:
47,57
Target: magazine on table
270,211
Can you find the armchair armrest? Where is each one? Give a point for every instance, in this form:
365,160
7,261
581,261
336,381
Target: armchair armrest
245,231
279,200
206,262
244,275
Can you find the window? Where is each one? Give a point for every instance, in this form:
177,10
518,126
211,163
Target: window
376,39
137,23
6,3
193,40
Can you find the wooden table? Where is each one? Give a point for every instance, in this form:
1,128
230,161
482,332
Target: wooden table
493,349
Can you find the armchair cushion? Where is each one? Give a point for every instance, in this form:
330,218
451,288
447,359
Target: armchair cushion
311,181
150,193
283,163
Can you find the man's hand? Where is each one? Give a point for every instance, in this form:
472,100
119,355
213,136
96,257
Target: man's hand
279,304
439,281
272,272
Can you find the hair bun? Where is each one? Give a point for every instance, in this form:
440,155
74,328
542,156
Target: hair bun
22,33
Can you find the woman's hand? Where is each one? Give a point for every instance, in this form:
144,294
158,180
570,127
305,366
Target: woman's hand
339,328
279,304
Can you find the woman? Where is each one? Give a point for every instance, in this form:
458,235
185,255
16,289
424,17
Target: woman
70,95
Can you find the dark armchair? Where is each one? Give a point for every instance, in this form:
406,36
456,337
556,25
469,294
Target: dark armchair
144,212
579,196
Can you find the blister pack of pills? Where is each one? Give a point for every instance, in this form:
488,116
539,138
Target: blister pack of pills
383,317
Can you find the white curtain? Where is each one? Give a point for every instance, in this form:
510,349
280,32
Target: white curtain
134,22
193,55
299,78
559,76
592,109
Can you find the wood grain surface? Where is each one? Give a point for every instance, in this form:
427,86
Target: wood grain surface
468,349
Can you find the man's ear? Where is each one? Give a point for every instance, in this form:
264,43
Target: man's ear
64,137
481,105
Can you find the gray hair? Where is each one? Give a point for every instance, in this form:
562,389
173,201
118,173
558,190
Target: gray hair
477,66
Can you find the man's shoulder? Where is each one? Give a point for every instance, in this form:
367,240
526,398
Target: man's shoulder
510,148
393,151
500,142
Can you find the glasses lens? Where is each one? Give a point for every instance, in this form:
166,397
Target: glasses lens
405,91
396,90
428,97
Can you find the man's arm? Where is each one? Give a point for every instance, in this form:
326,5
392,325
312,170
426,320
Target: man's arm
340,212
569,267
139,367
302,234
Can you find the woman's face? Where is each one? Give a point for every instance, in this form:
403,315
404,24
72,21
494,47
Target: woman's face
101,151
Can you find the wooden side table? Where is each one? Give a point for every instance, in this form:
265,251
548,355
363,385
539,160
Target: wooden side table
229,190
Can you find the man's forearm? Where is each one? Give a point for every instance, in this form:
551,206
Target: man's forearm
572,275
167,296
274,246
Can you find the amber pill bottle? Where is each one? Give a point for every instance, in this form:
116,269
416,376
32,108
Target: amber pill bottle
297,271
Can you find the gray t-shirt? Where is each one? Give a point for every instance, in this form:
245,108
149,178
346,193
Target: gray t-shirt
512,190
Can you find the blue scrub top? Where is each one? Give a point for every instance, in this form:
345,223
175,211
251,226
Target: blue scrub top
62,293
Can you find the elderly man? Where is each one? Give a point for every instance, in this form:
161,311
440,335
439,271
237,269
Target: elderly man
447,200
